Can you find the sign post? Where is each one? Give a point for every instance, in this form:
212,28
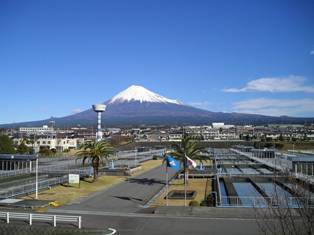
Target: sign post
74,179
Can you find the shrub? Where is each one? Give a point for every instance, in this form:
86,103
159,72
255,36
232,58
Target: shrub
194,203
211,200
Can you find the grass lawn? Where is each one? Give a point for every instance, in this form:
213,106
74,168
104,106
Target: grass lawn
298,146
198,185
63,195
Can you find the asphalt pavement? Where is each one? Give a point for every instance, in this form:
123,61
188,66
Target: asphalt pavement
118,207
128,196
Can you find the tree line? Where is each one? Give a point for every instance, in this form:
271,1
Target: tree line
7,146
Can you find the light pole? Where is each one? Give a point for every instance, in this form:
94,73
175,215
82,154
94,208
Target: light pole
135,156
36,185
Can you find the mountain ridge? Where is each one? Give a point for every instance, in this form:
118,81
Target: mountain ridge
136,106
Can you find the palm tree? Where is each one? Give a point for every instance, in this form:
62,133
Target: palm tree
190,148
96,152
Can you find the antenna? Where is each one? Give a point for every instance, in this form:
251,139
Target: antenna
99,108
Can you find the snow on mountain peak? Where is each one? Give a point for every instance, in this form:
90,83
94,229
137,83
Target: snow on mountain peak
140,94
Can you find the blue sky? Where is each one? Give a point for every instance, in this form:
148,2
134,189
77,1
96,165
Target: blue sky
58,57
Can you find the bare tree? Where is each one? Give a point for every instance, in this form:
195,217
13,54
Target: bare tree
285,214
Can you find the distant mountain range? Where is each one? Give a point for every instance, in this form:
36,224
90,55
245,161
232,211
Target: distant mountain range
138,106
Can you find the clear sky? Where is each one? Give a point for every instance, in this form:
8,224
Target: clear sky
60,56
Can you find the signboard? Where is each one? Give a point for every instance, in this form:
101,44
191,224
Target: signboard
74,179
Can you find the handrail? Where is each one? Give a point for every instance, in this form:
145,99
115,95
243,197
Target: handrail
31,187
258,201
30,217
14,172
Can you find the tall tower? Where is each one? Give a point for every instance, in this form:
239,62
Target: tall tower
99,108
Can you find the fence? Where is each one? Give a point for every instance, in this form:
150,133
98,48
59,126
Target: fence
59,158
29,188
30,218
14,173
84,171
263,202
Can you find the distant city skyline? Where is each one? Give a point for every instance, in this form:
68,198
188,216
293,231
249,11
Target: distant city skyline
60,57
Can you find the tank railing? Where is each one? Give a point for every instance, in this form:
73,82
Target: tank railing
263,202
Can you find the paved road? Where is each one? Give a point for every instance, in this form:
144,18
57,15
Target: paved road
142,224
116,208
128,196
174,225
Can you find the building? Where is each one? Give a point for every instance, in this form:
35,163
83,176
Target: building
52,143
218,125
303,165
36,130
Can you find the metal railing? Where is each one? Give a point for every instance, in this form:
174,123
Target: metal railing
30,218
61,170
263,202
29,188
59,158
14,172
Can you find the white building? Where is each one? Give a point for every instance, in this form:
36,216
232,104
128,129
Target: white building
36,130
222,125
58,144
218,125
175,137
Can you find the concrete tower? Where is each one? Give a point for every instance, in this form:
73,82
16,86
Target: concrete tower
99,108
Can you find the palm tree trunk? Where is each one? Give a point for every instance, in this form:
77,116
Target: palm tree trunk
95,173
95,167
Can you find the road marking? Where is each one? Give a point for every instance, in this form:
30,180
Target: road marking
112,231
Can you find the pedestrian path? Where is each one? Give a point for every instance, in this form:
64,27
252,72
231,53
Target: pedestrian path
128,196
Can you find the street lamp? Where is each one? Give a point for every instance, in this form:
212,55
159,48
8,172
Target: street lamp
36,185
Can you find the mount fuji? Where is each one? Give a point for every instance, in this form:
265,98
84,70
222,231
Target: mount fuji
138,106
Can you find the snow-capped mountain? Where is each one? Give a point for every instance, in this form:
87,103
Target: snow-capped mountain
140,94
137,106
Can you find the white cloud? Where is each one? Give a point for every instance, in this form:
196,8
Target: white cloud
275,84
276,107
77,110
